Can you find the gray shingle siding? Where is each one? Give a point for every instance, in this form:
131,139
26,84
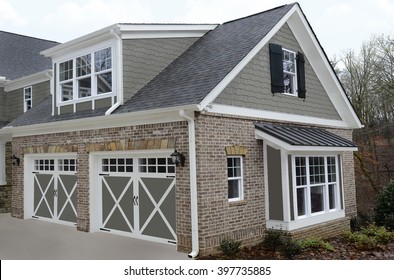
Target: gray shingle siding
193,75
143,59
252,87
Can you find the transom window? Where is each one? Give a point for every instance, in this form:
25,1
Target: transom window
27,98
235,178
44,164
289,72
316,185
78,79
117,165
156,165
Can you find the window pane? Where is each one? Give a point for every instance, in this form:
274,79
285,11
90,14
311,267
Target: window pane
332,196
66,70
83,65
102,60
288,81
67,91
316,170
317,199
233,188
301,201
84,87
104,83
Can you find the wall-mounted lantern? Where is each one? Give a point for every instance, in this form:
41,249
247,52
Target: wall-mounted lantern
178,158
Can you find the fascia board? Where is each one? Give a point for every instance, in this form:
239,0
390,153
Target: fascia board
145,31
238,68
274,116
320,64
81,42
277,143
101,122
33,79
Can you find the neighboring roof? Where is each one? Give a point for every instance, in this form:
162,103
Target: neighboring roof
2,124
304,136
20,55
194,74
42,113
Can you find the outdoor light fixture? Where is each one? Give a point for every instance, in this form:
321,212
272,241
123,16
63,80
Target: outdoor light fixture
178,158
15,160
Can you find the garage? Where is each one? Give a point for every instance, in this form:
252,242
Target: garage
52,190
135,196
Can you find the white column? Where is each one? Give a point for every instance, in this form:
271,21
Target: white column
3,180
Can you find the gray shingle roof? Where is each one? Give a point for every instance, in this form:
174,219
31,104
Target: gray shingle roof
20,55
304,136
190,77
193,75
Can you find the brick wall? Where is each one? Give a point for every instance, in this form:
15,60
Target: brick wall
245,220
107,140
5,191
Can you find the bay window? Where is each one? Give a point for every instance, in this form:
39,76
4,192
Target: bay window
316,185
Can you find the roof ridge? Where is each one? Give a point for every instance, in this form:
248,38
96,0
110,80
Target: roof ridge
259,13
26,36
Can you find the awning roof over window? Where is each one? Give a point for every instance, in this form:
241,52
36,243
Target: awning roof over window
302,138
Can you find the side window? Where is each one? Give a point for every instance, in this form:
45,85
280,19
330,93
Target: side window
287,70
27,98
235,178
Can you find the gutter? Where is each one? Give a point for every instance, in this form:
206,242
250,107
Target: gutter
193,183
119,70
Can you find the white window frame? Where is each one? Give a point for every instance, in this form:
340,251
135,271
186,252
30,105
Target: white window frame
74,94
239,179
28,90
293,75
309,185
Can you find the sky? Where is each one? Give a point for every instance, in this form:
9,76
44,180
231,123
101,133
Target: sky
340,25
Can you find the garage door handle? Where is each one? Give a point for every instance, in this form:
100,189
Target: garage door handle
135,200
103,174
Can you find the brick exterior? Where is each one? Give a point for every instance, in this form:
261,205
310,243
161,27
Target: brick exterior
245,220
159,136
5,191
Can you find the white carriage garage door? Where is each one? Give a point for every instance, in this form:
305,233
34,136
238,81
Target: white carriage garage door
137,197
55,189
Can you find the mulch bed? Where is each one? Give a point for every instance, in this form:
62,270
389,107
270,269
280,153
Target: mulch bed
343,251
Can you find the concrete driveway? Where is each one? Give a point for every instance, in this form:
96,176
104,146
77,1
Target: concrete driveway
40,240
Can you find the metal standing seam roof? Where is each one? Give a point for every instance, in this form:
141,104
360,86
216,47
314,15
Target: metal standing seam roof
304,136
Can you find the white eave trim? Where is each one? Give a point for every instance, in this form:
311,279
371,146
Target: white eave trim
274,116
277,143
148,31
100,122
30,80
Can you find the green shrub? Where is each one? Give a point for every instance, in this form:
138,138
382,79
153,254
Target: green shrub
275,239
370,237
384,209
316,243
281,241
230,247
290,248
360,221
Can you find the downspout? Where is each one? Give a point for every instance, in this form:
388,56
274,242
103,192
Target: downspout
119,73
193,183
52,86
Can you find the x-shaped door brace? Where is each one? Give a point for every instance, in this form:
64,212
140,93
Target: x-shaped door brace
68,195
157,207
117,203
43,193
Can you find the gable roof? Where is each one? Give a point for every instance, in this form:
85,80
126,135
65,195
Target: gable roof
194,74
20,55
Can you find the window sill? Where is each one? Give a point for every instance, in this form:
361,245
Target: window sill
237,203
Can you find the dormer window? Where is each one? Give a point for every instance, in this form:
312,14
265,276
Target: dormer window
79,80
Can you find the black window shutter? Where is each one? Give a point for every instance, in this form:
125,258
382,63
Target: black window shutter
276,65
301,75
